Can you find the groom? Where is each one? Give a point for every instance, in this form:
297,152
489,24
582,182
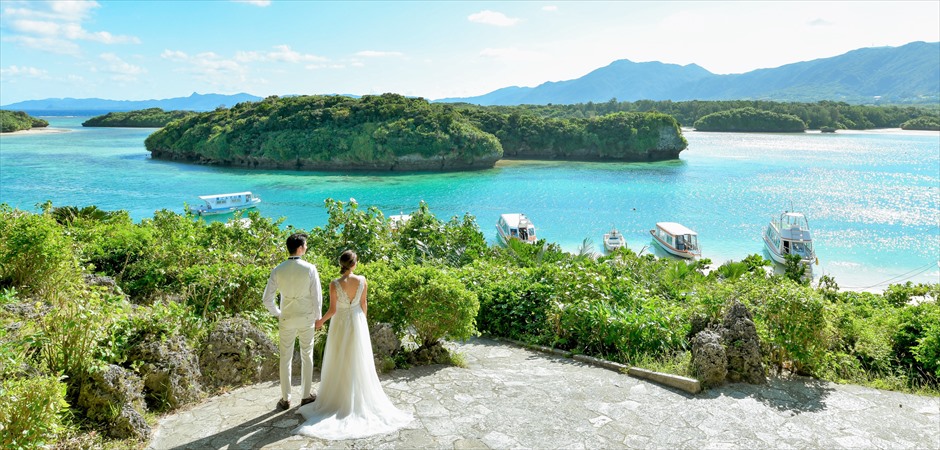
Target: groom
301,305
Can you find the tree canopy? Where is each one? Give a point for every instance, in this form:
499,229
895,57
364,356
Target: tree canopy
11,121
750,119
143,118
393,132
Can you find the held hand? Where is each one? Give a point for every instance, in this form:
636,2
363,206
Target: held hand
318,324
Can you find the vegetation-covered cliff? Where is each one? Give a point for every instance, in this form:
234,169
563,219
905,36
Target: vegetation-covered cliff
143,118
619,136
11,121
750,119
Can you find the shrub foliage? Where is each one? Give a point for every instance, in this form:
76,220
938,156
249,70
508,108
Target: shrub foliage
175,275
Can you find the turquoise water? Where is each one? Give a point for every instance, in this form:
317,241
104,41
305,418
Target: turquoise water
872,198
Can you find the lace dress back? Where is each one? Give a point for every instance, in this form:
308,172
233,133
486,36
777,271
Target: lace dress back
350,401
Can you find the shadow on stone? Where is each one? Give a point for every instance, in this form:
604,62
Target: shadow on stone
796,396
258,432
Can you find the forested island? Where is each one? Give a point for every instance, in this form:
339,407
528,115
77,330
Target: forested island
836,115
751,120
143,118
11,121
393,132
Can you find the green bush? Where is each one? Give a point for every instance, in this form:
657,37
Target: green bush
435,303
71,332
790,320
386,305
31,412
35,255
350,228
514,302
161,320
917,340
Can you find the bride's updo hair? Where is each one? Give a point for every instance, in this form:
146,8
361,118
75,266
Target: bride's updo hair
346,261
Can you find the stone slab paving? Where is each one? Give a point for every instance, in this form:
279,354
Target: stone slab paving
512,397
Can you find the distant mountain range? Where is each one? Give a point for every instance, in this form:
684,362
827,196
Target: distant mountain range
906,74
195,102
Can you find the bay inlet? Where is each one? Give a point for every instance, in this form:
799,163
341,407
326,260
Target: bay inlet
872,197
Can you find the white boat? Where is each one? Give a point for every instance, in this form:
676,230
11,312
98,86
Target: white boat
614,240
226,203
789,235
677,240
515,226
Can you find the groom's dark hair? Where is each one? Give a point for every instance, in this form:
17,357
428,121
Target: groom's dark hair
295,241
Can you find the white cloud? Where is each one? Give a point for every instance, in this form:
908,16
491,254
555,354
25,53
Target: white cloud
261,3
73,10
329,66
819,23
208,66
550,8
55,26
47,44
174,55
119,69
23,71
512,54
281,53
492,18
377,54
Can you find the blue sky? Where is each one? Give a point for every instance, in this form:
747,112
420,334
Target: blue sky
136,50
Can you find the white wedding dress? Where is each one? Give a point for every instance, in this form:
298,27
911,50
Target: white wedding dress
350,401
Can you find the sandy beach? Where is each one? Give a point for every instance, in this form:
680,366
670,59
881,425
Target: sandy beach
32,131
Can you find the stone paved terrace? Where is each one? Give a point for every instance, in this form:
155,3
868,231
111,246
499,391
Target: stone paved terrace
511,397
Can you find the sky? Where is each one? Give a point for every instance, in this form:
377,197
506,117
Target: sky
140,50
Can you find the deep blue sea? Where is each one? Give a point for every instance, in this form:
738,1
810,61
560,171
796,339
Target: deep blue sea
872,197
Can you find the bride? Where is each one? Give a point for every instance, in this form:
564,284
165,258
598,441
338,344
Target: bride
351,402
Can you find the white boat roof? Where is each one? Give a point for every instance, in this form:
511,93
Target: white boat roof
513,220
675,229
210,197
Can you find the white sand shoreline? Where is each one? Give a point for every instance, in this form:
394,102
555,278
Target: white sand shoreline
31,131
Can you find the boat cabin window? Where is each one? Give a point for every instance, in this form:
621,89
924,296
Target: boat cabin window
513,232
524,234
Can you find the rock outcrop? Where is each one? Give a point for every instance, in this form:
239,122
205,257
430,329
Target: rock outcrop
709,358
742,346
385,344
169,369
113,397
729,350
236,353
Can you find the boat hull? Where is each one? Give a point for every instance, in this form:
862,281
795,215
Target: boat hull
672,250
215,211
779,257
611,246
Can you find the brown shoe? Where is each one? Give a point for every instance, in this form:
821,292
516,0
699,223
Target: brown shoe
309,399
283,405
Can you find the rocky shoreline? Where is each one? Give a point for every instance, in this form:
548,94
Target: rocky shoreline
407,163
